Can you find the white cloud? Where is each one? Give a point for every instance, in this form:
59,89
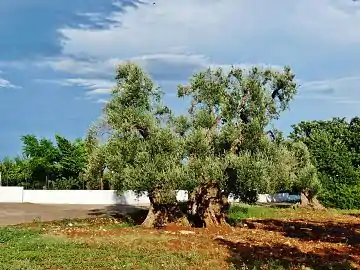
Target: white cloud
168,70
102,100
191,26
344,90
97,86
172,39
162,67
80,67
94,86
7,84
336,82
169,65
172,69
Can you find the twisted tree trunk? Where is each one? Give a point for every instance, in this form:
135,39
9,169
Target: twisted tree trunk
308,199
209,205
162,214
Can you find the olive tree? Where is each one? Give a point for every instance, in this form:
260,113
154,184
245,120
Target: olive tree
229,114
306,180
142,151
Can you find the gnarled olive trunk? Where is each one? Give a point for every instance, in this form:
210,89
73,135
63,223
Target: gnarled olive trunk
209,205
308,199
162,214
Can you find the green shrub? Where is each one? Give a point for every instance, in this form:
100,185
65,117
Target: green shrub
341,196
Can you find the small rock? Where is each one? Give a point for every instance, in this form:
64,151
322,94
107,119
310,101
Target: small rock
219,237
186,232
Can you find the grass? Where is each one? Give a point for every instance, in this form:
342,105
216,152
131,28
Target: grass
99,243
106,243
239,212
28,249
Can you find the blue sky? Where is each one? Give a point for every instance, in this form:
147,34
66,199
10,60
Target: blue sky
57,58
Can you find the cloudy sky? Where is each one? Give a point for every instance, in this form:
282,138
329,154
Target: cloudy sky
57,58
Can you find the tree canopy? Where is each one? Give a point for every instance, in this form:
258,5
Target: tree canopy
220,147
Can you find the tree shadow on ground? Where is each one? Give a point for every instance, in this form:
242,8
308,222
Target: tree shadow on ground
124,213
137,214
311,231
281,256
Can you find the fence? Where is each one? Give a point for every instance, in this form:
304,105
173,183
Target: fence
101,197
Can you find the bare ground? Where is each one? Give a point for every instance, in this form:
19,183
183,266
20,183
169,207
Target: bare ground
16,213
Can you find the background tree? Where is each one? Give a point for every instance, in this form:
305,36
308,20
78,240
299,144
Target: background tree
46,164
334,149
70,164
72,156
15,172
96,163
305,180
42,155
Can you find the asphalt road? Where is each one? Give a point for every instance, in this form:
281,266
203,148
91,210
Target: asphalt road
14,213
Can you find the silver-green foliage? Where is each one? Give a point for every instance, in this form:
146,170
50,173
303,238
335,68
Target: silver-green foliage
142,150
226,141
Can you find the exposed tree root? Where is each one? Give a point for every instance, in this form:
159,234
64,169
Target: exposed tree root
308,200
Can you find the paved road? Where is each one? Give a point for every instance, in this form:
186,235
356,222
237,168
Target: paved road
14,213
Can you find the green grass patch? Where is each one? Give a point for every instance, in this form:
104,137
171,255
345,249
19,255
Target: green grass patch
28,249
238,212
14,235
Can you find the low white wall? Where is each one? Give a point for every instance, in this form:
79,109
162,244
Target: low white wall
11,194
105,197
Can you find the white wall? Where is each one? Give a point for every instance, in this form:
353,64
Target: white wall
105,197
11,194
